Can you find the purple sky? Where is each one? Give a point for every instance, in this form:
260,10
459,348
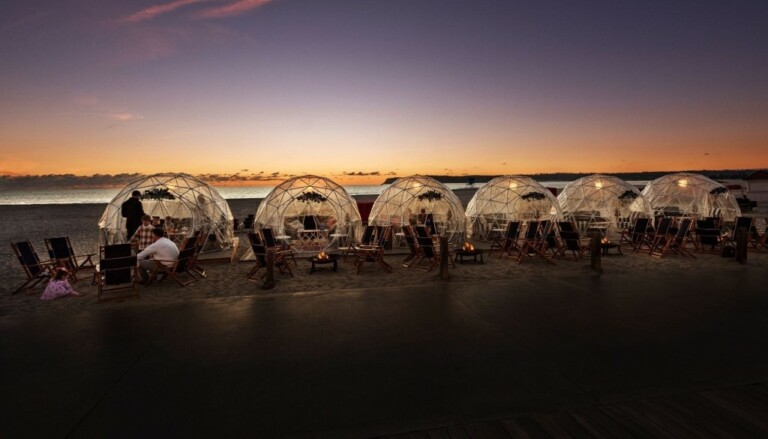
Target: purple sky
394,87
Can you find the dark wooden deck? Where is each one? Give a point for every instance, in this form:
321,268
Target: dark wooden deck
737,411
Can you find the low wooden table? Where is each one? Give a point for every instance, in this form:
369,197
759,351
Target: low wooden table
317,264
460,254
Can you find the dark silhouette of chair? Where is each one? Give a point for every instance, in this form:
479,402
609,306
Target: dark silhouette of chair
260,252
662,234
428,257
366,240
268,238
571,242
510,240
180,269
248,221
413,247
639,236
422,232
375,253
60,250
677,243
116,271
35,270
534,242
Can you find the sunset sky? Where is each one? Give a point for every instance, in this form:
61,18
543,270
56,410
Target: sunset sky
382,87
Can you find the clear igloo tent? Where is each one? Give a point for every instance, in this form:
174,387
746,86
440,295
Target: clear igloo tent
509,198
192,204
311,210
403,200
691,195
604,203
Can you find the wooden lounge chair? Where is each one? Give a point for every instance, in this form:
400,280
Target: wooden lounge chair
35,270
662,234
60,250
179,269
260,252
428,256
535,242
375,253
116,271
571,242
509,242
639,237
366,240
268,238
678,243
410,239
708,236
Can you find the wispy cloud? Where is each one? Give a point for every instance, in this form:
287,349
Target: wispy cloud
156,10
125,117
235,8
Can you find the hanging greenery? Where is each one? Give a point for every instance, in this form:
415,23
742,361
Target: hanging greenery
530,196
718,191
158,193
628,195
311,197
430,196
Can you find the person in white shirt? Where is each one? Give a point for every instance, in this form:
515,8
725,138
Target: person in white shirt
162,250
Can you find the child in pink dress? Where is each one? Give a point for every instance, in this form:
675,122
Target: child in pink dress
59,287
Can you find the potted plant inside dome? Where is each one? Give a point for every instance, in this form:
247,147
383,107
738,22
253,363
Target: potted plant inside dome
534,200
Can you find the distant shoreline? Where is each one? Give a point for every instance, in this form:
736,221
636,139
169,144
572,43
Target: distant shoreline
725,174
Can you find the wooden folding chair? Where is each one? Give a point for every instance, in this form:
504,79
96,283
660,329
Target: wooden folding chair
35,270
60,250
178,271
260,252
678,243
535,242
268,238
375,253
510,241
117,271
413,247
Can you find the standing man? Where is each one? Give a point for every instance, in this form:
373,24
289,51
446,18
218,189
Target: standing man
132,210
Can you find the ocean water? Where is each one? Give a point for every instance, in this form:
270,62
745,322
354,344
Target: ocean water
103,196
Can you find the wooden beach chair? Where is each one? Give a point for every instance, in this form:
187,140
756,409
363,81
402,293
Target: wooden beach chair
639,237
60,250
571,242
510,240
413,247
260,252
35,270
534,242
428,257
662,234
117,271
366,240
178,271
375,253
708,236
268,238
678,243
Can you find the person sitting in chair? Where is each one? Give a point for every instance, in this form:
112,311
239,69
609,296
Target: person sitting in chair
162,250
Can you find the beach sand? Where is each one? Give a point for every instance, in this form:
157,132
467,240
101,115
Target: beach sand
228,280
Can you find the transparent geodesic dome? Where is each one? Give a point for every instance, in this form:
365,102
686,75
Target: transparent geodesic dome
309,202
402,202
691,195
509,198
192,204
604,203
